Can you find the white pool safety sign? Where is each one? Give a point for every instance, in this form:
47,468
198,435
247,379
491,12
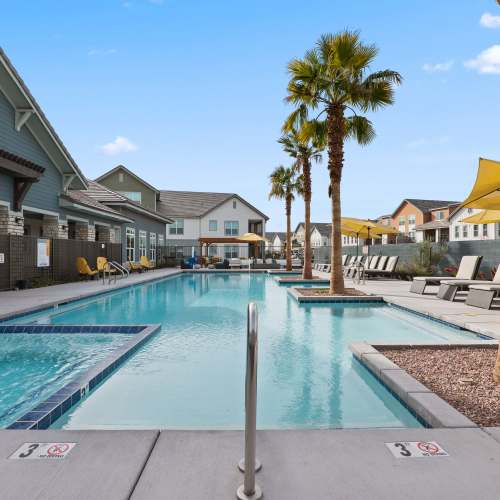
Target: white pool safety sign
37,451
416,449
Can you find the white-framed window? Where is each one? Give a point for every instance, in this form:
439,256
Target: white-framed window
132,195
485,230
465,230
231,227
475,230
412,219
212,225
457,232
234,204
212,251
152,246
130,243
411,234
143,238
177,227
161,240
440,215
231,252
402,220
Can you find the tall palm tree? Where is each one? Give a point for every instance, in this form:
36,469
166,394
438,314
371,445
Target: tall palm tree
304,150
333,78
284,185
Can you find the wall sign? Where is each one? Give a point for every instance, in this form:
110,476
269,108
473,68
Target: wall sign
416,449
37,451
43,252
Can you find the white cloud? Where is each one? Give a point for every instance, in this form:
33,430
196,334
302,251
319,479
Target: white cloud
490,21
119,145
429,141
432,68
488,61
101,52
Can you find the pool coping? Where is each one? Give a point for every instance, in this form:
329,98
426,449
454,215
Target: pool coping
424,403
46,412
347,299
284,280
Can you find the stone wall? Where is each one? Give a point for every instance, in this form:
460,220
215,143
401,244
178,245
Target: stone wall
8,224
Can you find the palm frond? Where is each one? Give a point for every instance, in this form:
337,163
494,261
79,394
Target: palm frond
360,129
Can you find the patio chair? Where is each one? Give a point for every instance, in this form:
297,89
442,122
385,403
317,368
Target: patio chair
327,268
222,265
353,265
136,266
83,268
281,262
103,266
388,271
448,289
296,263
467,270
146,263
234,263
344,259
482,295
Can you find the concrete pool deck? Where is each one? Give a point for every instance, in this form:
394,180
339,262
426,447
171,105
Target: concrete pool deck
297,465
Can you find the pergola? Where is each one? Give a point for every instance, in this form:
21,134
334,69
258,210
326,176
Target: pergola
207,241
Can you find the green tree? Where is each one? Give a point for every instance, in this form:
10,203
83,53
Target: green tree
334,79
284,185
304,150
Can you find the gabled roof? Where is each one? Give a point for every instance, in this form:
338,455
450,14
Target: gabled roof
193,204
433,224
22,100
324,228
108,197
280,234
425,205
129,172
313,224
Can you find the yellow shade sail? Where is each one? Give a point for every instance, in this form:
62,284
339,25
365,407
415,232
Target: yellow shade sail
251,238
486,191
484,217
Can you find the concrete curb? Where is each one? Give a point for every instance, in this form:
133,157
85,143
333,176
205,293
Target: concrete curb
429,407
346,299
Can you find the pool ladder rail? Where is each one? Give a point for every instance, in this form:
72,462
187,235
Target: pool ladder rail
249,490
110,265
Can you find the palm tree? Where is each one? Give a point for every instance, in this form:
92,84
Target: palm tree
304,151
284,185
333,79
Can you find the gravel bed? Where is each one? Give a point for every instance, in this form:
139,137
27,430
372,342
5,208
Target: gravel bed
460,375
314,292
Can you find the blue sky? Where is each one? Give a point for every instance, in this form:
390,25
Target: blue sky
189,94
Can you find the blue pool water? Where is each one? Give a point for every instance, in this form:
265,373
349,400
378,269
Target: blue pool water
33,367
191,374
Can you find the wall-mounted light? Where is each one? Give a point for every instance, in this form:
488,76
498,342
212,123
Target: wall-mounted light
19,220
64,227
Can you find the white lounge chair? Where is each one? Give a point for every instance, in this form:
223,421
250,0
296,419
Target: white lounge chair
234,263
467,270
449,288
388,270
296,263
281,262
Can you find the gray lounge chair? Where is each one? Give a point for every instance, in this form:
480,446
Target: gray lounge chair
482,295
355,262
345,257
449,288
388,271
467,270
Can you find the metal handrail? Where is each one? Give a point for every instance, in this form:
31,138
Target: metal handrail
120,267
110,265
249,490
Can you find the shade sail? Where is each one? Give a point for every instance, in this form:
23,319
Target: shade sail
484,217
486,191
250,238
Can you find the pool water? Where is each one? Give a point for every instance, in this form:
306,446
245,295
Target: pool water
33,366
191,374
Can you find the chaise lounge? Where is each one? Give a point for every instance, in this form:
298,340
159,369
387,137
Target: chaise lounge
448,289
467,270
482,295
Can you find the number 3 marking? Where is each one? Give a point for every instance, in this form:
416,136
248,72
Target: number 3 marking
405,452
31,449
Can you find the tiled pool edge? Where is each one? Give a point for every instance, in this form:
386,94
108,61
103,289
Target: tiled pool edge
47,412
424,403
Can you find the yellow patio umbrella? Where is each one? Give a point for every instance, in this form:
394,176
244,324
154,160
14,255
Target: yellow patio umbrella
251,238
486,190
364,228
484,217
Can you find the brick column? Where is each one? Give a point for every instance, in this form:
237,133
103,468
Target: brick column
54,228
8,224
84,231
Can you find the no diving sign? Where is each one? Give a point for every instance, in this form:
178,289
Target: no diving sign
36,451
416,449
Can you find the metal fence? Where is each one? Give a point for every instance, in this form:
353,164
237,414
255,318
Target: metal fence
21,265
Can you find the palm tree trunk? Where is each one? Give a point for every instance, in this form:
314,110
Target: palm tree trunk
306,175
336,128
496,371
288,233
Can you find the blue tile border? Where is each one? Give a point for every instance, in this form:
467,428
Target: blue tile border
72,329
45,413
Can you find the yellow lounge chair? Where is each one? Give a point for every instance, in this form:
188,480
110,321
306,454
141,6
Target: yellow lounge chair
135,266
146,263
103,265
83,268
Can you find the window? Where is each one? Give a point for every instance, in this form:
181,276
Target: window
411,234
440,215
457,232
152,246
212,251
402,220
120,176
231,252
234,203
161,240
485,230
231,227
132,195
130,243
465,231
212,225
411,219
143,236
475,231
177,227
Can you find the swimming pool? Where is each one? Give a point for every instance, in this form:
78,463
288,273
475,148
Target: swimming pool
191,374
